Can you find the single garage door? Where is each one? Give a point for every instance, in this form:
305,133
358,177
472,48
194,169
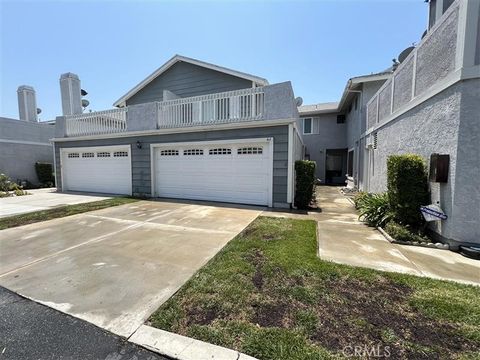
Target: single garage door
228,171
104,169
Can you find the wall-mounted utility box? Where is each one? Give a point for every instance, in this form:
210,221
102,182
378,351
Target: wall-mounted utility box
439,165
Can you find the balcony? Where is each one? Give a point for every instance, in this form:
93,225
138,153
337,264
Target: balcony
253,104
232,106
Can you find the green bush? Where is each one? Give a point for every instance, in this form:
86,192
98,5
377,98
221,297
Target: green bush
7,186
407,188
44,173
374,208
360,198
403,233
305,183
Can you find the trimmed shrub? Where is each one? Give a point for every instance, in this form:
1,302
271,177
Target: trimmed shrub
403,233
407,188
374,209
305,183
45,173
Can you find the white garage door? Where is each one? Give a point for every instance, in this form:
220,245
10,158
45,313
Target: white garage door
104,169
229,171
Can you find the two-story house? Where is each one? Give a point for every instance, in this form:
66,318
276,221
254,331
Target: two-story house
190,130
331,131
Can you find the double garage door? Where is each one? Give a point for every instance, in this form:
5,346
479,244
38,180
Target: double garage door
228,171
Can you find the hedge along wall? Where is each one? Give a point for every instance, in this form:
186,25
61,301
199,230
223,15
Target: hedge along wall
44,173
304,182
407,184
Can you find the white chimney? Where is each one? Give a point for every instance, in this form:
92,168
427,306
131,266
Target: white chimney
27,103
71,94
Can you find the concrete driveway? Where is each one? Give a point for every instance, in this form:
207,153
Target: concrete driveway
43,199
114,267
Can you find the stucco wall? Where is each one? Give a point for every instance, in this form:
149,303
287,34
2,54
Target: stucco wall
141,169
436,56
22,144
403,84
447,123
330,136
185,79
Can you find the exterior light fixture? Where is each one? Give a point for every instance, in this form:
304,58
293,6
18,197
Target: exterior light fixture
139,145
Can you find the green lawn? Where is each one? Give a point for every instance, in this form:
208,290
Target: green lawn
62,211
268,295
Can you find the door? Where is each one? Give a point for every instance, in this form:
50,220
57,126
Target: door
102,169
227,171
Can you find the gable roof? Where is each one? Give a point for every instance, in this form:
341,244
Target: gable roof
320,108
179,58
353,84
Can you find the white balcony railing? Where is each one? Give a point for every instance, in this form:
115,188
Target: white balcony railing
99,122
232,106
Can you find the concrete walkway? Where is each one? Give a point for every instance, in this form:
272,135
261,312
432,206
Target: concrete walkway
43,199
345,240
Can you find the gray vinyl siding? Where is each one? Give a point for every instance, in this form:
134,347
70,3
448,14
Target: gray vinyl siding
185,79
141,166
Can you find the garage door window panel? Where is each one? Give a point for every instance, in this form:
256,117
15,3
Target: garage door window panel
220,151
103,154
169,152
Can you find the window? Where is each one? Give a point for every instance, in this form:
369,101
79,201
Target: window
307,125
193,152
220,151
340,119
73,155
103,154
169,153
88,155
250,150
120,154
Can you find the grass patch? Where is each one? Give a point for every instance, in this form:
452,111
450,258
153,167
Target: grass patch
62,211
267,294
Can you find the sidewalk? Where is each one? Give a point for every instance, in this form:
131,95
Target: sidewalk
345,240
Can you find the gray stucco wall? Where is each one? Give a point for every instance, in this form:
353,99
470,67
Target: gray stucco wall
331,136
402,92
141,170
448,123
22,144
184,80
436,56
477,49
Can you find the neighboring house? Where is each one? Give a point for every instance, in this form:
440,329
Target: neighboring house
429,104
331,130
190,130
26,141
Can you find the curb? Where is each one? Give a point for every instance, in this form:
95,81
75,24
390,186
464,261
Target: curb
180,347
439,246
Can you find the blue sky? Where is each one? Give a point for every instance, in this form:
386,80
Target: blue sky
113,45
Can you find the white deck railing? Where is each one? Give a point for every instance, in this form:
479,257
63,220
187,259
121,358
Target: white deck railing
231,106
99,122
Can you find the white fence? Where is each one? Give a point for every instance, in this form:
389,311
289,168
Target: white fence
99,122
232,106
